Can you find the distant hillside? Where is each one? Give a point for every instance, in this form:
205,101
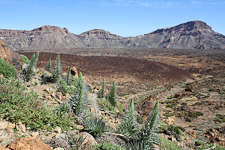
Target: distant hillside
190,35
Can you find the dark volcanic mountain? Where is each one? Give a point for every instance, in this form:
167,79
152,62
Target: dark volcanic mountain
190,35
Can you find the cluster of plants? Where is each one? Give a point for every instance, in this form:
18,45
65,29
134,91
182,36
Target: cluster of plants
108,101
19,105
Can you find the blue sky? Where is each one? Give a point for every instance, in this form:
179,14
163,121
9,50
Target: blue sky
121,17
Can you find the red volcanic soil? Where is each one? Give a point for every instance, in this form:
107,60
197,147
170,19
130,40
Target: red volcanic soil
119,69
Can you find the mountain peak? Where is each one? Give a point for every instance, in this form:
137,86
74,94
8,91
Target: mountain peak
195,25
48,28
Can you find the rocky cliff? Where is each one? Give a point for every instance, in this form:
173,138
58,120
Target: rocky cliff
190,35
8,55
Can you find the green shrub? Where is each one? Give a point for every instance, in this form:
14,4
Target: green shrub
25,59
172,130
63,86
168,145
62,108
94,125
17,104
6,69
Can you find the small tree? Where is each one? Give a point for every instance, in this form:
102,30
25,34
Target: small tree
29,71
101,94
79,98
57,73
68,76
49,66
112,95
129,126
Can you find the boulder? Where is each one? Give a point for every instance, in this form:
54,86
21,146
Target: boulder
28,143
12,57
74,71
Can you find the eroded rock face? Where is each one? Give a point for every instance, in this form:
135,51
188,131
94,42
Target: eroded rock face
8,55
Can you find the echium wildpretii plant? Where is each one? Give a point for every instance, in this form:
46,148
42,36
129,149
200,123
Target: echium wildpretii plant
147,137
57,72
112,95
49,66
29,71
129,125
68,76
79,98
101,94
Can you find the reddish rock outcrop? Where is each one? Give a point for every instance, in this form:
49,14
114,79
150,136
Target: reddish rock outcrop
28,143
8,55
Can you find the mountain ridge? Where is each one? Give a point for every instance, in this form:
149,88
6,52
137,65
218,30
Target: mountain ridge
189,35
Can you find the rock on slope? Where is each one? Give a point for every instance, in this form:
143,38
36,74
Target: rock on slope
190,35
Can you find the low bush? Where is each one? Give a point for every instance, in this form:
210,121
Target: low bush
6,69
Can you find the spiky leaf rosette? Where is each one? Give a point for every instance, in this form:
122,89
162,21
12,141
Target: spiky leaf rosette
129,126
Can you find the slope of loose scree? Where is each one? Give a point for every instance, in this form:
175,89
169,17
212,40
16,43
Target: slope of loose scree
117,68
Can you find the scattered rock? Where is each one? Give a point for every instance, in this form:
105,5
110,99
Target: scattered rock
79,127
35,134
59,141
169,121
21,127
58,129
3,125
88,138
59,95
